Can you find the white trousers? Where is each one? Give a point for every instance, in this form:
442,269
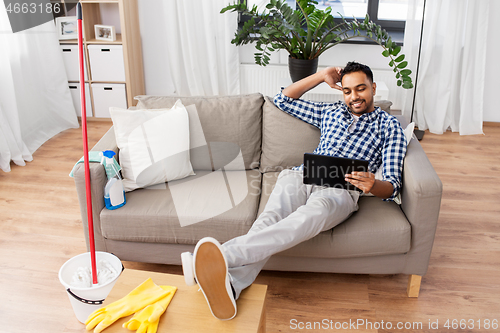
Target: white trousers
294,213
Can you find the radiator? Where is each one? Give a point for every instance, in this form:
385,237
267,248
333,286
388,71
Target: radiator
269,79
265,80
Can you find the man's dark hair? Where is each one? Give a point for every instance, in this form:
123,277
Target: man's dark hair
352,67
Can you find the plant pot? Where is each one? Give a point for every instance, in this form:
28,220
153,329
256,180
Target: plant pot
300,68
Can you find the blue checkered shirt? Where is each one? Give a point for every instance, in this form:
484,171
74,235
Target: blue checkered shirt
377,137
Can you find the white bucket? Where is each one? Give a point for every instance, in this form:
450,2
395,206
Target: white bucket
86,300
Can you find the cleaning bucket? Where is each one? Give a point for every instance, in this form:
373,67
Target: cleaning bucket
85,300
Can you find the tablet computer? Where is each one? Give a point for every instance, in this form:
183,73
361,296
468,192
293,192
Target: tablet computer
330,171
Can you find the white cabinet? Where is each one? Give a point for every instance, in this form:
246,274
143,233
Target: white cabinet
71,63
108,95
114,69
74,88
106,63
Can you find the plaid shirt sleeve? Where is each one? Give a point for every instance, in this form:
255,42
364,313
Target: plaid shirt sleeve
393,154
308,111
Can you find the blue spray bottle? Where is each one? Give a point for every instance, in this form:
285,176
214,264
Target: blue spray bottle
114,194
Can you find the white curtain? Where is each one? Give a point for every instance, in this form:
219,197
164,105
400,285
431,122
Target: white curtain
35,102
197,38
411,46
450,87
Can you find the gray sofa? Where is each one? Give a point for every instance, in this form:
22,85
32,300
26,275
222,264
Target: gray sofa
380,238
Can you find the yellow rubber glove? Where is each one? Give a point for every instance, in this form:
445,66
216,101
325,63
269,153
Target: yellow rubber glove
146,321
146,293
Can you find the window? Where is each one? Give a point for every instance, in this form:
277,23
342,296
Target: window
347,8
390,14
395,10
380,10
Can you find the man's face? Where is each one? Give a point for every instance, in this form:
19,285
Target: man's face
358,93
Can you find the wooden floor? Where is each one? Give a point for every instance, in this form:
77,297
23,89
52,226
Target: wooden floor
40,228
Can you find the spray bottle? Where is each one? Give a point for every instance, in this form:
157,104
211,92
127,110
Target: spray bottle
114,194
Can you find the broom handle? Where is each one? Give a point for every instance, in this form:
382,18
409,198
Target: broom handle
86,148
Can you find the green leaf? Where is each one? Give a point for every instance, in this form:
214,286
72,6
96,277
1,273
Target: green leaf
399,83
391,63
407,85
398,75
389,43
385,53
400,58
405,72
396,50
403,64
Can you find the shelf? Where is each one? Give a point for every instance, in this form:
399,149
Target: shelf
108,82
68,41
123,15
118,41
98,41
105,82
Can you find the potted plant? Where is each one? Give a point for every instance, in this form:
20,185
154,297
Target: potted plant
306,32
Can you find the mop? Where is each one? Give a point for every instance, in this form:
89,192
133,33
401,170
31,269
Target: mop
106,272
87,288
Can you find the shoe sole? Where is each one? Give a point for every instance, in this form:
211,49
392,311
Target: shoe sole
212,277
187,268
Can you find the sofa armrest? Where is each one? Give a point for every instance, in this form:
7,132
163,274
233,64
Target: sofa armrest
98,180
107,142
421,202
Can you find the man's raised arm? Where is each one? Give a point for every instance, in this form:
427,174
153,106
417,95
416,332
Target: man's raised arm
330,75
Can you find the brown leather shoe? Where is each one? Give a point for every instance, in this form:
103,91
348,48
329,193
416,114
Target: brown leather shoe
210,270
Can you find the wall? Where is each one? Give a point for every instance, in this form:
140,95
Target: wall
491,106
154,49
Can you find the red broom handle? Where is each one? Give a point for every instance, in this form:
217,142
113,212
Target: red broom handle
86,148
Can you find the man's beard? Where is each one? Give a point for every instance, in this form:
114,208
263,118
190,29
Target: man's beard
359,111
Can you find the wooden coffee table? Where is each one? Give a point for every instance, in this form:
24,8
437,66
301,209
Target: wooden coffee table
188,311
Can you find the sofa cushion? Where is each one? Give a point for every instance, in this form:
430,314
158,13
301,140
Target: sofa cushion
285,139
220,204
235,120
377,228
384,105
154,145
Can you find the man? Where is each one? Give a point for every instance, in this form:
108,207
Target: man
297,212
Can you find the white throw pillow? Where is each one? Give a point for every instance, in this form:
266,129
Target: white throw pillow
154,145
